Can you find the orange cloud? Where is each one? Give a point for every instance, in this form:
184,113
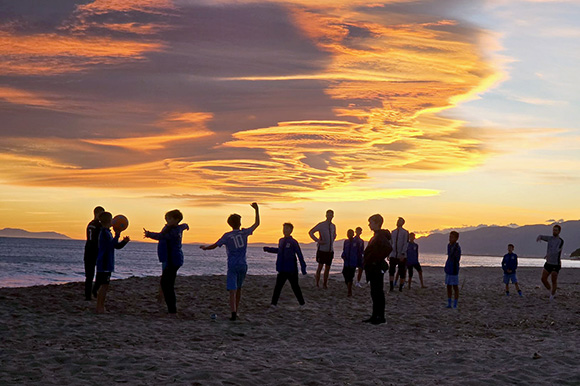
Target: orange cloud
22,97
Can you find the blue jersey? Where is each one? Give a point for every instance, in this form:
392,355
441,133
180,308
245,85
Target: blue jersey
236,243
412,254
107,246
350,252
169,247
510,262
453,257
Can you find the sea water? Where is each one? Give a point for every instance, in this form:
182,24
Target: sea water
27,262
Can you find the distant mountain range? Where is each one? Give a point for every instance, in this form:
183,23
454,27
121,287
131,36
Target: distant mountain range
13,232
493,240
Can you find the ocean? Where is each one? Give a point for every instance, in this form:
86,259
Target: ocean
28,262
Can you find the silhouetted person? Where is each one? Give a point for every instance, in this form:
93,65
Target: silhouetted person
361,243
236,242
452,268
91,252
400,241
553,259
325,246
170,254
286,264
375,266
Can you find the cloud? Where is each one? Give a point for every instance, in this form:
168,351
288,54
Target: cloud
239,100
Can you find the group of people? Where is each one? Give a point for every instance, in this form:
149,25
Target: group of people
394,252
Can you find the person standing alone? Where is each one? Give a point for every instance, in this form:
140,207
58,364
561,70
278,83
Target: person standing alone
325,246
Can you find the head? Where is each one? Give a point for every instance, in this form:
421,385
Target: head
556,230
97,211
235,221
375,222
358,231
453,237
350,234
173,217
510,248
400,222
105,218
287,229
329,215
412,237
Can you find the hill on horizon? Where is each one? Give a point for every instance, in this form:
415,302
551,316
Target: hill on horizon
21,233
493,240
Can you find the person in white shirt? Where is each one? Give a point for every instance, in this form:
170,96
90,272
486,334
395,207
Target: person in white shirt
325,242
398,257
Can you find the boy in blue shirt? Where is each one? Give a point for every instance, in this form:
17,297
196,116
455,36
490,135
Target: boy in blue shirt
236,242
350,252
413,260
106,258
92,252
452,268
170,254
286,266
509,265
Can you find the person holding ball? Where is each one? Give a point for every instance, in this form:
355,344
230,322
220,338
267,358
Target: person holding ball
106,258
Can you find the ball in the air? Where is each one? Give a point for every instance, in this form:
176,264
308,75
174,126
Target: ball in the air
120,223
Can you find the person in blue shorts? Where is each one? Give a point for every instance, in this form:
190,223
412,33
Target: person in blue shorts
236,242
106,258
509,265
170,254
452,268
286,266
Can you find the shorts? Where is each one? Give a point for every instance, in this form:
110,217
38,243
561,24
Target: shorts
348,273
451,279
103,278
416,266
401,263
509,276
236,277
324,257
552,267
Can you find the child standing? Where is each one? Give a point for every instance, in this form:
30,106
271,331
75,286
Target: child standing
350,251
236,242
286,266
170,254
452,268
359,263
92,252
413,260
509,265
106,258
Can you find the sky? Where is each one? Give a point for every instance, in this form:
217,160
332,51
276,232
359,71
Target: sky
447,113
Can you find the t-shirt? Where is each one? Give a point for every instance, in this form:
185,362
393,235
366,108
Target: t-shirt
327,231
509,262
412,254
236,243
554,249
400,240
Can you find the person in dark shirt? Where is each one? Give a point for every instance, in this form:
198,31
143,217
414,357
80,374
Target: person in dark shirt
350,252
286,265
91,252
170,254
413,260
106,258
358,232
375,265
452,268
509,265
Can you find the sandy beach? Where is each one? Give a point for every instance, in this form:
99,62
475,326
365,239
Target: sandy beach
50,334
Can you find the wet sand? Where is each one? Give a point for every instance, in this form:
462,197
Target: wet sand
50,334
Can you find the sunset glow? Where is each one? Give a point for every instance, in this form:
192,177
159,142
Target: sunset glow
427,110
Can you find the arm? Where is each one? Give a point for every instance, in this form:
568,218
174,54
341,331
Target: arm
300,257
343,250
270,250
209,247
542,238
312,232
120,244
257,219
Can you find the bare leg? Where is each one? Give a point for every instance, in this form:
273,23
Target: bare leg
517,287
456,291
554,282
545,275
421,279
359,274
160,297
448,292
349,286
397,276
410,278
317,275
326,273
238,298
507,288
101,297
233,303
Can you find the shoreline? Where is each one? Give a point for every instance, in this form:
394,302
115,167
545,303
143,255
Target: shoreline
53,336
